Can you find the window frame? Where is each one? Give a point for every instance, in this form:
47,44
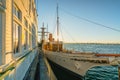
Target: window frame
17,12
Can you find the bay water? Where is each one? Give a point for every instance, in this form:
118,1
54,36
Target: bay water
99,72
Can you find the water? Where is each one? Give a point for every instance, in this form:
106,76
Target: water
101,72
96,48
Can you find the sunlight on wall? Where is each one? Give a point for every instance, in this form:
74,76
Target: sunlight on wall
8,58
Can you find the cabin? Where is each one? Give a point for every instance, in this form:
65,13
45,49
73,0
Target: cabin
53,45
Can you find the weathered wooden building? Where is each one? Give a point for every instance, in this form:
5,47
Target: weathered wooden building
18,37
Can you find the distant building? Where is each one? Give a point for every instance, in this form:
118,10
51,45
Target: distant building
18,29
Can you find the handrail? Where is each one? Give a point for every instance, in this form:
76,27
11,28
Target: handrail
6,69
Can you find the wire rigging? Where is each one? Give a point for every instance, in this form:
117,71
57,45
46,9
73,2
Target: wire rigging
90,21
66,31
61,34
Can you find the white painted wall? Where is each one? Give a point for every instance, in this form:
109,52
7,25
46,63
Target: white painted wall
8,32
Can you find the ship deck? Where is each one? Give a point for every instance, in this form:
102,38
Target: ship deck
82,62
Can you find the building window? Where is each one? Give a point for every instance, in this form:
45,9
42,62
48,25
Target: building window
26,34
30,37
17,12
16,37
30,28
30,40
33,36
26,23
25,40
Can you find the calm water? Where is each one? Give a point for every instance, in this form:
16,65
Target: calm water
102,72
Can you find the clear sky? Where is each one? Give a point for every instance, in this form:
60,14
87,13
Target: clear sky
106,12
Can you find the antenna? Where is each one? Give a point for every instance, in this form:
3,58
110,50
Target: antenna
57,28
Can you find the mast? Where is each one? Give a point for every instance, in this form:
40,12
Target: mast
57,28
43,33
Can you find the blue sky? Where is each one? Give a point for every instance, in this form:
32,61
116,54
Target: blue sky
106,12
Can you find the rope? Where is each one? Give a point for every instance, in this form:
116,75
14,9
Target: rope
55,24
61,33
66,30
90,21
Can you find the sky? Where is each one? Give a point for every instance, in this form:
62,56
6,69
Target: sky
75,30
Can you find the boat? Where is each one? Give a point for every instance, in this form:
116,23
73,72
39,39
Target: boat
78,63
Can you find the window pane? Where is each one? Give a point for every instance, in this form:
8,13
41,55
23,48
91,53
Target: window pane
26,23
25,41
17,12
16,38
30,28
29,40
14,10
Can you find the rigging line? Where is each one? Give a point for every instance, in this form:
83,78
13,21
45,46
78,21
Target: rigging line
66,30
61,33
54,29
54,23
73,39
90,21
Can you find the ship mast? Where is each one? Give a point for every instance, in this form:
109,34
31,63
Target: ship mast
43,33
57,29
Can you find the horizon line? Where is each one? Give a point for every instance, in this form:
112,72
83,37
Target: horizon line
94,42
